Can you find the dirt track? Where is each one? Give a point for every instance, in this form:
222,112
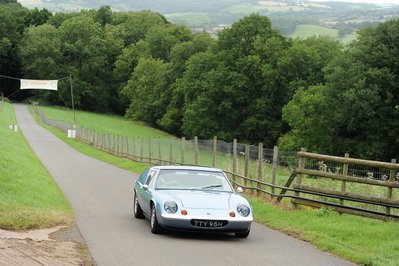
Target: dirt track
42,247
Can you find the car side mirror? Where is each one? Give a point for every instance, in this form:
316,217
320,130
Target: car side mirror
145,187
239,190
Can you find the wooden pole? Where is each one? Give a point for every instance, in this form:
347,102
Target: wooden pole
196,150
392,174
142,149
149,150
246,163
214,150
260,168
127,146
171,151
274,166
345,169
159,152
73,103
301,165
183,146
134,147
234,157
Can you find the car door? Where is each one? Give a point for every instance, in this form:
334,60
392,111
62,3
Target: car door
146,193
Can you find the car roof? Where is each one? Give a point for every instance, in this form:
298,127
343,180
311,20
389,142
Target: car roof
186,167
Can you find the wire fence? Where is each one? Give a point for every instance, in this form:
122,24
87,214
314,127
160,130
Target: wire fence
260,170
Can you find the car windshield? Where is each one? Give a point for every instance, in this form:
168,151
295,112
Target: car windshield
192,180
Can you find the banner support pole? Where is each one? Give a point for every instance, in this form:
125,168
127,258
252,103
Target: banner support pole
73,103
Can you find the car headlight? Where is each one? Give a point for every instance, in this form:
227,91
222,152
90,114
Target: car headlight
170,207
243,210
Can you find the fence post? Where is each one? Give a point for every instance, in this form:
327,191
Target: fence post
274,167
109,143
118,144
115,148
196,150
171,152
345,169
214,149
134,147
102,141
142,149
392,174
301,166
183,148
127,147
246,163
260,168
112,144
159,151
234,158
149,150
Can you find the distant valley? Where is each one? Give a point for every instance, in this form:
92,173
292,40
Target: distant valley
301,19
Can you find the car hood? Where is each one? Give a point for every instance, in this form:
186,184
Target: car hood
195,199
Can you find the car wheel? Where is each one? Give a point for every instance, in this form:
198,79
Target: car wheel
138,212
243,234
156,228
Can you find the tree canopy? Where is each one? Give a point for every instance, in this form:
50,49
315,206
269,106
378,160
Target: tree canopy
251,83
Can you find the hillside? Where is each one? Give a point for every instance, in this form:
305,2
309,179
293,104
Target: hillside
214,15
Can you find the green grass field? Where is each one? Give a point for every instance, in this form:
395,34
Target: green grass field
361,240
110,124
29,197
305,31
189,18
243,9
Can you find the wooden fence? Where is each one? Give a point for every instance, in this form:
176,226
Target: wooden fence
379,192
315,180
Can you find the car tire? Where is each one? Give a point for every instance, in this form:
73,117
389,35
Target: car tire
243,234
156,228
138,212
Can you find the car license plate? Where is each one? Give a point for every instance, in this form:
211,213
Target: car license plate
209,223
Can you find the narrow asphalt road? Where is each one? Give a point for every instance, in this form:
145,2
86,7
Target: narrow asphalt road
101,196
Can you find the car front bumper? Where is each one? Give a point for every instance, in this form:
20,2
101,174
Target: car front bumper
178,221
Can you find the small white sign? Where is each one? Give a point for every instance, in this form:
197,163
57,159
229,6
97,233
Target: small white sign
13,127
72,133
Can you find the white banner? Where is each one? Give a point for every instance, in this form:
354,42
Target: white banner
39,84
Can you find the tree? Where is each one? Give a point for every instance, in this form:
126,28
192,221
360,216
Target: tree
84,53
302,64
104,15
146,91
37,17
161,39
356,109
236,92
309,117
12,25
180,54
137,24
41,57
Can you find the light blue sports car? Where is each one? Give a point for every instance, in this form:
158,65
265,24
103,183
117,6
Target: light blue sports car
192,199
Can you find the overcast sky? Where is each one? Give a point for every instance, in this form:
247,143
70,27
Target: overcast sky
365,1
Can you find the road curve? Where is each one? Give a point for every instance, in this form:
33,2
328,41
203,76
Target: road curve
101,197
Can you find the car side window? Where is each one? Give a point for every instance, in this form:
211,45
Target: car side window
143,176
150,178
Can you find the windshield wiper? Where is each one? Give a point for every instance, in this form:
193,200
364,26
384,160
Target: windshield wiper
212,186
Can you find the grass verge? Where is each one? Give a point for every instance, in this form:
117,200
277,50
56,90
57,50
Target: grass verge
361,240
29,197
87,149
